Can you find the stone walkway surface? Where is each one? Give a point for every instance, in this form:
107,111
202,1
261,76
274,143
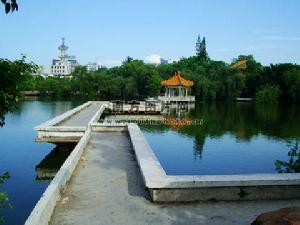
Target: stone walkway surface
106,188
83,117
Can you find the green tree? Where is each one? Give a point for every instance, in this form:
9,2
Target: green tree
201,52
292,82
154,86
12,75
198,47
10,6
268,94
213,80
130,88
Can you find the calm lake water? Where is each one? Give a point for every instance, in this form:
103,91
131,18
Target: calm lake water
233,139
20,155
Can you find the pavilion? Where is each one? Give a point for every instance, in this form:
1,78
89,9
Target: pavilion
177,89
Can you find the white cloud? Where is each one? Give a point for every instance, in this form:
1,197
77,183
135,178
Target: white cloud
280,38
153,59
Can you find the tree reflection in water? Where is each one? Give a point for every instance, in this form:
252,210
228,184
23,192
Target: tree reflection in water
293,164
1,120
243,121
4,200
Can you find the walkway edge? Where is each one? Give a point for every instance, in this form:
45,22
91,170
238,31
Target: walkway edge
42,212
62,117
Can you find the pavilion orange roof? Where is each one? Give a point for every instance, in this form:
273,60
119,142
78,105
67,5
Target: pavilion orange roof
242,64
177,80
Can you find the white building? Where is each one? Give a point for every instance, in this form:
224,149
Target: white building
164,61
65,65
92,67
167,61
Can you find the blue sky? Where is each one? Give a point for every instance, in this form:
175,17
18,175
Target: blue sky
109,30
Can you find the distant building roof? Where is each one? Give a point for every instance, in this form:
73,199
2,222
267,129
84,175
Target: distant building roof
177,80
241,64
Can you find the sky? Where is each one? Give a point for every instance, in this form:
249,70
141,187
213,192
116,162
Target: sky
107,31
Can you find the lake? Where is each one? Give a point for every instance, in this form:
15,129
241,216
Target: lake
233,138
30,164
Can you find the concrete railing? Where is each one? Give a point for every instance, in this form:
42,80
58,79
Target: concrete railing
62,117
43,210
60,134
151,170
140,107
177,188
177,98
51,131
109,127
98,114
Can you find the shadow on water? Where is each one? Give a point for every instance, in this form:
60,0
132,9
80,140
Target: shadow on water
49,166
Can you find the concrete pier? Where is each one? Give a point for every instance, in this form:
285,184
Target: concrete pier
107,188
112,177
70,126
81,118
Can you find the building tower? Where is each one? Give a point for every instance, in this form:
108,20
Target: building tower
63,48
65,65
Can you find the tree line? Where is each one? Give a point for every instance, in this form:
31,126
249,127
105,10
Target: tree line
213,80
135,79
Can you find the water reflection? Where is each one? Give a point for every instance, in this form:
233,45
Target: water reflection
249,137
49,166
20,154
243,120
178,110
292,165
4,198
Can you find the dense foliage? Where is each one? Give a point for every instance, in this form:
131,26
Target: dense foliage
267,94
13,74
10,6
214,80
4,201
